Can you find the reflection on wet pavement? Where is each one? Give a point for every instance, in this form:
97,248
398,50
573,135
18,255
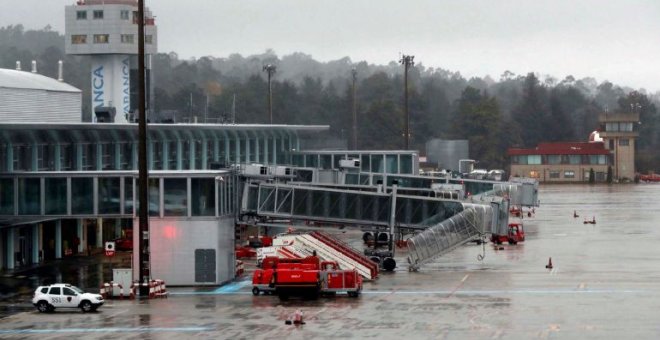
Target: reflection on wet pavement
604,284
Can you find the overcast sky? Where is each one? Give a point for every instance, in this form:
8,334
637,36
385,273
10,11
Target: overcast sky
616,40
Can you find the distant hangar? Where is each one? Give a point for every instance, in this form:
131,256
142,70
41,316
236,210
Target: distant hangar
33,98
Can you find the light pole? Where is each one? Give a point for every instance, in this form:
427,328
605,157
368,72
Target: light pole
407,61
143,215
355,138
270,69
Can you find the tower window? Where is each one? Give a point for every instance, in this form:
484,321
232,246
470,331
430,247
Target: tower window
101,38
98,14
81,15
148,39
127,38
624,142
78,39
124,15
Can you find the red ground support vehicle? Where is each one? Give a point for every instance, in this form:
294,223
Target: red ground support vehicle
243,252
515,234
126,242
326,280
262,279
334,280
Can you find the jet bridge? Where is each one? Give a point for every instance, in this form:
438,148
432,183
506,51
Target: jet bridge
346,207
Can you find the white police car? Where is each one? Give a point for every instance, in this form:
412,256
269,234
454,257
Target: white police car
61,295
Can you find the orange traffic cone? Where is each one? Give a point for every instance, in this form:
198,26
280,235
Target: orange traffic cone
549,265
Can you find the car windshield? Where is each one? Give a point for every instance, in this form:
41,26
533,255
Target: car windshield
77,290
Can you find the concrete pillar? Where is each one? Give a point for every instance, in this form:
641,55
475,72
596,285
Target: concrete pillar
150,155
80,235
118,228
36,243
256,149
166,155
58,239
99,232
191,154
247,150
2,253
205,153
11,238
266,160
179,154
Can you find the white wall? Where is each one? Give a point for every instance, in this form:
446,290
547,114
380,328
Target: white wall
39,106
173,243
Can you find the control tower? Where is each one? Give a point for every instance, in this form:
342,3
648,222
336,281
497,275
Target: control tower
107,31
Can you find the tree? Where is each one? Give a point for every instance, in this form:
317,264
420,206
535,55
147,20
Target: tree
531,112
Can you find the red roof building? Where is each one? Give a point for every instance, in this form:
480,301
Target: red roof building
561,162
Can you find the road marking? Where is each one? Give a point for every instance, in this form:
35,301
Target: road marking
107,330
458,286
459,292
582,285
232,287
120,312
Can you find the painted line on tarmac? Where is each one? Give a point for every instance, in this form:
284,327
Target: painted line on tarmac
457,292
504,292
107,330
232,287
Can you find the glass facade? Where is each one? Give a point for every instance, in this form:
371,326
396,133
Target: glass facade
82,196
56,196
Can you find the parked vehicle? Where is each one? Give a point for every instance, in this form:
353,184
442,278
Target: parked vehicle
62,295
514,234
313,280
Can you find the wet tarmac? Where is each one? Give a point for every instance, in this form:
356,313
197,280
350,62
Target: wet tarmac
605,284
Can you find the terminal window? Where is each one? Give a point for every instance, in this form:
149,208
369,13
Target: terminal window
127,38
624,142
98,14
148,39
81,15
124,15
569,174
79,39
101,38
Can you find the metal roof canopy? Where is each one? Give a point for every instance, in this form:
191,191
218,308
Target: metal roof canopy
93,132
15,79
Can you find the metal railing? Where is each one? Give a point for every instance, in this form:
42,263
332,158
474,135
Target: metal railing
443,237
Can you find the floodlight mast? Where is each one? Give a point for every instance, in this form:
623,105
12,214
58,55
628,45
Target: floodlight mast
270,69
407,61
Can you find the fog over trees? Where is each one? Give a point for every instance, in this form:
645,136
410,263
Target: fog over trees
494,114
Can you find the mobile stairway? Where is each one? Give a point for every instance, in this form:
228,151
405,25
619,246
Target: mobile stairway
329,248
441,238
358,259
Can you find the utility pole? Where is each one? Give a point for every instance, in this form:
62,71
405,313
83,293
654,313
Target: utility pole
143,198
270,69
355,137
407,61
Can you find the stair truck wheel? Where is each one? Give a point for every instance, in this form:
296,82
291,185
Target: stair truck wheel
389,264
255,291
367,237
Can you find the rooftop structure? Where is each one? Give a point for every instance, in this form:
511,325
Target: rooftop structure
31,97
106,30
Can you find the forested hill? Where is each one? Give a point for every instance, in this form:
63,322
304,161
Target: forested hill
514,110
